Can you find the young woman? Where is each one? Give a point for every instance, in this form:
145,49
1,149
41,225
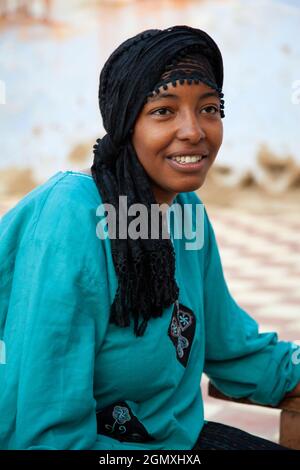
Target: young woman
106,338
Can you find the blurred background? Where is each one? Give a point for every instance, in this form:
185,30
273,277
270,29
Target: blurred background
51,55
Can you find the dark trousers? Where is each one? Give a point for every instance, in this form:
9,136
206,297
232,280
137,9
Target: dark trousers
217,436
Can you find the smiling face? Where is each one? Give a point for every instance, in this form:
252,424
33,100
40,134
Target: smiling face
181,121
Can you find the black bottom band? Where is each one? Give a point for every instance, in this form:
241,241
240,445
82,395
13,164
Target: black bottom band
217,436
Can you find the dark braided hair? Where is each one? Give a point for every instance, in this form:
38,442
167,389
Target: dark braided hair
145,267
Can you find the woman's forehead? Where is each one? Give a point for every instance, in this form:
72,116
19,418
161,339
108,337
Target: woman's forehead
199,91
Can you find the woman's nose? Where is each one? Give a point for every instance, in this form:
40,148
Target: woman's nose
190,129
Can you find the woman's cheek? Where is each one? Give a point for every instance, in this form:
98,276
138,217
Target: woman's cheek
220,134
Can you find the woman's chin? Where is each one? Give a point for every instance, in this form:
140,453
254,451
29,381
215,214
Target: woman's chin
188,186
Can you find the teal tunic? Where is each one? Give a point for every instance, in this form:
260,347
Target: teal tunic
62,361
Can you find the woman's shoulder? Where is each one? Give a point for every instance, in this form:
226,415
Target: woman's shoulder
47,210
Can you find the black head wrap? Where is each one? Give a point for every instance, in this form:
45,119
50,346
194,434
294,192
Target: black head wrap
133,72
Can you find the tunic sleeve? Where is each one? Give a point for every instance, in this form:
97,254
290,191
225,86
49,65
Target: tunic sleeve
49,324
239,360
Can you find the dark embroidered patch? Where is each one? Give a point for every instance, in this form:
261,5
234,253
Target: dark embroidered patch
118,421
182,331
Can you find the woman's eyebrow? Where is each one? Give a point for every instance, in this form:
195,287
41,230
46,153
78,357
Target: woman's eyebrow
170,95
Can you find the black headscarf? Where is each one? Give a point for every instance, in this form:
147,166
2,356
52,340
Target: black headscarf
133,72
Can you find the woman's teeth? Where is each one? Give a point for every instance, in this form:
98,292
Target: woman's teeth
188,159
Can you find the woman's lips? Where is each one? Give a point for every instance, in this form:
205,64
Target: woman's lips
187,167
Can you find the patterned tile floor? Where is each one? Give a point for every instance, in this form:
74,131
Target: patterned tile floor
260,252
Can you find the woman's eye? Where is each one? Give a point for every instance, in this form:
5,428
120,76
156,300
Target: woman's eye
215,108
162,113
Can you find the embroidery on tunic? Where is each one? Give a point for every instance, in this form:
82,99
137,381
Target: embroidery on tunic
118,421
182,331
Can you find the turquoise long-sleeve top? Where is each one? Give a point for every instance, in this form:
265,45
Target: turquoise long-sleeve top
69,379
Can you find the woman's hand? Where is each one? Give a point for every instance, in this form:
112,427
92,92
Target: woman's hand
295,392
